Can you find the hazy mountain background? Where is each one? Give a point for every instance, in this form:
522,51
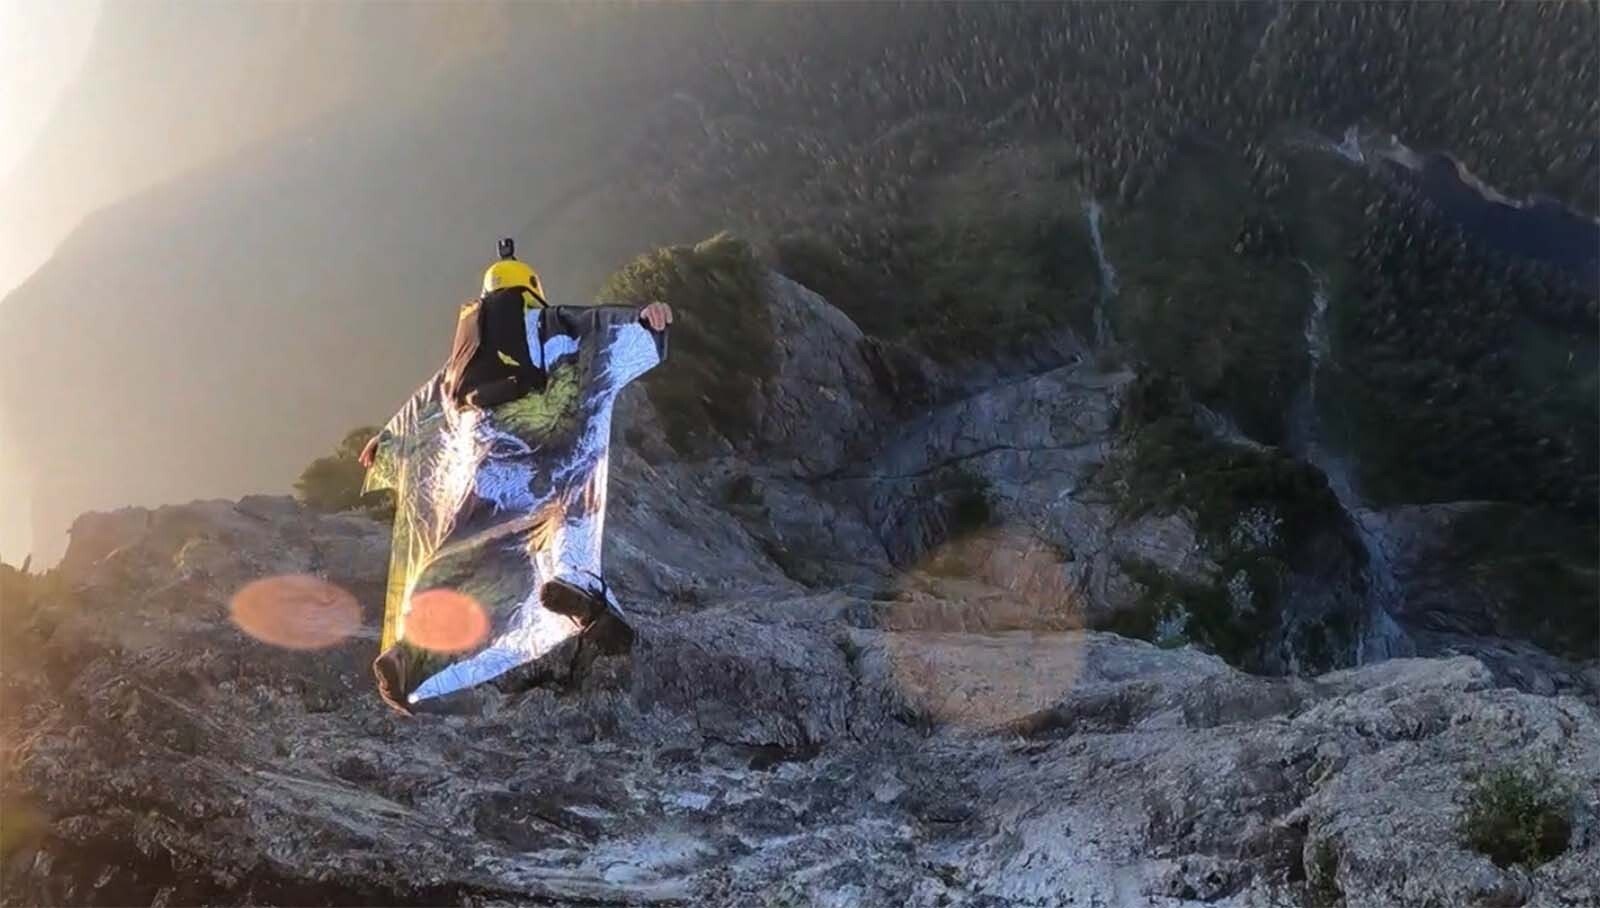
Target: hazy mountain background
166,89
281,205
165,86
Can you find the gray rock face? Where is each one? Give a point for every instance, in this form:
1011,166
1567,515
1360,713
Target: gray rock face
1440,595
1464,598
209,549
766,751
862,678
1022,456
1006,485
823,404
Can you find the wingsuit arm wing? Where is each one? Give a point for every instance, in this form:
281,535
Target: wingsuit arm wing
633,347
401,431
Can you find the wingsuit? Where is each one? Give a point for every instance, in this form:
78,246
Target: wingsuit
498,464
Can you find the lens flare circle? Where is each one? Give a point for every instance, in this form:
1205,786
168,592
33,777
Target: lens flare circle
446,621
985,632
295,611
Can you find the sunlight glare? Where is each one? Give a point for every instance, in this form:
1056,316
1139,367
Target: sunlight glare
446,621
296,611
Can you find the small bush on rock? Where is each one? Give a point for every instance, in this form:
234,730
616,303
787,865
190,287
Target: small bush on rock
1323,887
332,484
722,347
1517,816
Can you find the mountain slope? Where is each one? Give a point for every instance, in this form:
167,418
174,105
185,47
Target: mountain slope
298,287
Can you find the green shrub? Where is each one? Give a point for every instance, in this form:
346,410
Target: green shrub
32,606
1259,514
819,265
1164,598
1321,643
1517,816
721,349
1322,885
17,593
1203,612
333,483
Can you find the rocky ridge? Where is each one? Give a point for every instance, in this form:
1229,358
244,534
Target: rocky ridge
868,673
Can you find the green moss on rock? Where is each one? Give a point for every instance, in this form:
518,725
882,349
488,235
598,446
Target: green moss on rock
986,259
722,348
1322,884
1517,816
1260,515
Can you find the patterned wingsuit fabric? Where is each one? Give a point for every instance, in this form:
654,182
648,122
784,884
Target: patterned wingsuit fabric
490,504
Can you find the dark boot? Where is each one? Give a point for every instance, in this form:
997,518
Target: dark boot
610,635
600,625
576,603
391,673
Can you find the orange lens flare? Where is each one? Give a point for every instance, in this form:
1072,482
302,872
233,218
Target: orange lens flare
986,631
24,827
296,611
446,621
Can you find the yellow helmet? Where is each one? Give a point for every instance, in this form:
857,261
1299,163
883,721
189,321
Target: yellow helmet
511,273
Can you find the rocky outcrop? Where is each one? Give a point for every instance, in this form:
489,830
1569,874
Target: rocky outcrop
208,549
824,404
862,677
771,749
1513,587
1447,560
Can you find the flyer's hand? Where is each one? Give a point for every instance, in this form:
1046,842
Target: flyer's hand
656,315
369,454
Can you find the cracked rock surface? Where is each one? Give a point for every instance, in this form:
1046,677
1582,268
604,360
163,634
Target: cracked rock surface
767,752
839,696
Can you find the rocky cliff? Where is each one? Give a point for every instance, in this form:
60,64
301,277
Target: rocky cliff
871,670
